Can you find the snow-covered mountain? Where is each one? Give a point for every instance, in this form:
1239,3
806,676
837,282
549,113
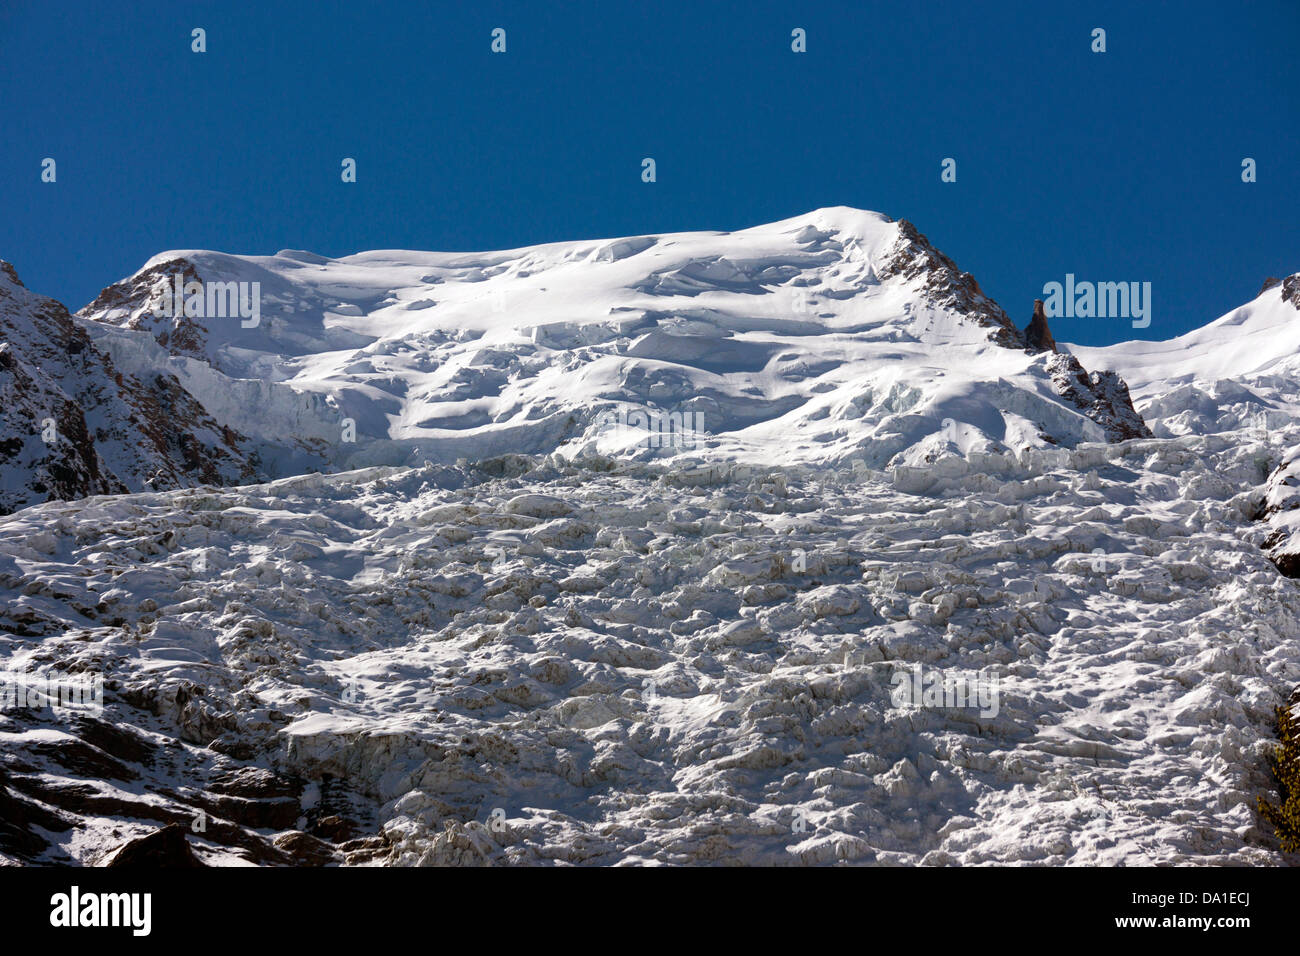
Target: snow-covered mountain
833,336
71,424
523,634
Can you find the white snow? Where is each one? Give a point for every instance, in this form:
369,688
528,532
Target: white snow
691,657
629,667
1241,371
784,339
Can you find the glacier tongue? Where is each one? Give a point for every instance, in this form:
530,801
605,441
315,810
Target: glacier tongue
536,661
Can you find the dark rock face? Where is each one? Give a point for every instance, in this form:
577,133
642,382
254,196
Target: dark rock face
1038,337
1288,564
946,285
306,850
1291,290
55,385
165,848
125,769
179,334
1102,396
19,820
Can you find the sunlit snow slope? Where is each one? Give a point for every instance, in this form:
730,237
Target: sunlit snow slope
833,336
1241,370
633,657
1241,375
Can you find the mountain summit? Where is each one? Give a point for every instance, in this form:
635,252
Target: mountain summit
834,336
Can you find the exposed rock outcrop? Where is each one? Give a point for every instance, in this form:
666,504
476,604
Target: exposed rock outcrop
1281,509
1291,290
178,333
72,425
166,848
946,285
1038,337
1102,396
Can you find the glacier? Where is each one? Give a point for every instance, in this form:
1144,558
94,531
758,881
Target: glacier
492,631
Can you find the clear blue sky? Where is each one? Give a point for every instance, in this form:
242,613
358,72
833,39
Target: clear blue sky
1117,166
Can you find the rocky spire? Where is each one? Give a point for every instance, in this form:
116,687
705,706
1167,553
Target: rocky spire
1038,337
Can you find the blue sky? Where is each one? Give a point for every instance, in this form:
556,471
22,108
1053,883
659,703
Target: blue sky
1121,166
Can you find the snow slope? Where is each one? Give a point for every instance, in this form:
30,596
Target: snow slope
1239,371
833,336
1240,374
